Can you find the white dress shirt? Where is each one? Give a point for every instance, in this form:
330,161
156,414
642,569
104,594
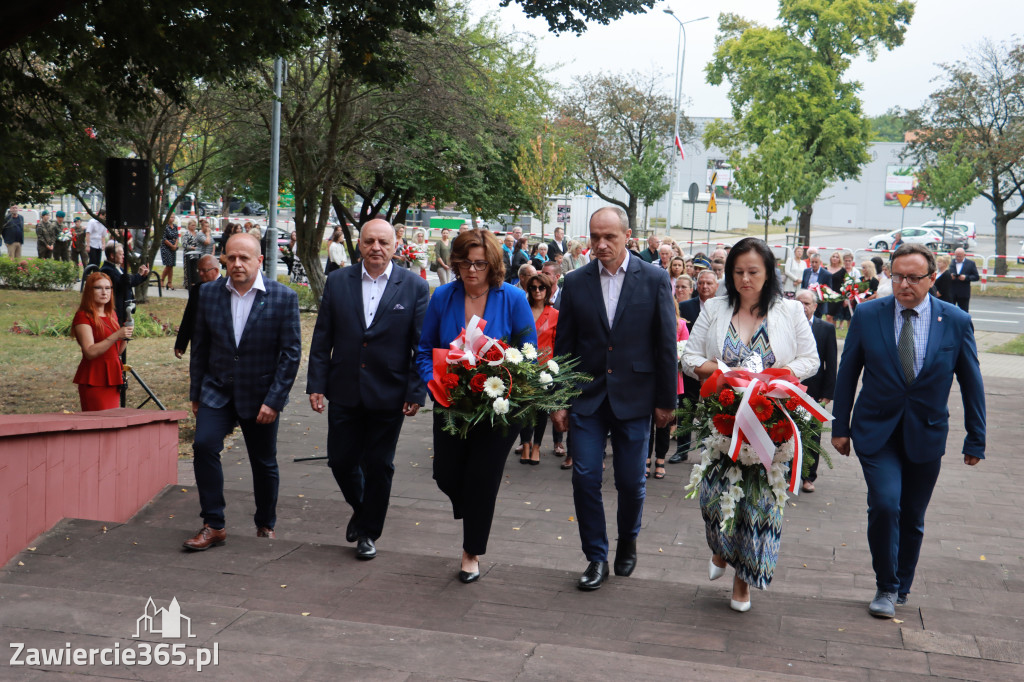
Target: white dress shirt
611,286
241,304
96,232
373,289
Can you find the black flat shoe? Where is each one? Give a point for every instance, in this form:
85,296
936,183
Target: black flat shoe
365,549
467,577
596,573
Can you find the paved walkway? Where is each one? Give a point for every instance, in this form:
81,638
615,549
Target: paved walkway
301,607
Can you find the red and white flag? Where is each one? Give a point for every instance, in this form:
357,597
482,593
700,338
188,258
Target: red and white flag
679,146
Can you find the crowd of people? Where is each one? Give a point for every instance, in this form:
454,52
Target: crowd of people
624,313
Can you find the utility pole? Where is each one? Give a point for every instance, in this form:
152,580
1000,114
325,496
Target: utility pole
275,161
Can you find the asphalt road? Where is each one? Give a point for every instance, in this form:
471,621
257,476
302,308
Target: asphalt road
997,314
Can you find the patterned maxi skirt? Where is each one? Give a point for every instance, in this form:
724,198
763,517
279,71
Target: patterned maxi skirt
753,546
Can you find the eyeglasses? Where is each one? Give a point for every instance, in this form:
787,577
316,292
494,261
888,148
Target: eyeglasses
536,287
898,278
473,265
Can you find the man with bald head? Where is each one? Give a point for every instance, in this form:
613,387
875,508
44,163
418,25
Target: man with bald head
618,316
361,362
245,354
962,272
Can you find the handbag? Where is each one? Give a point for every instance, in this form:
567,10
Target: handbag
433,266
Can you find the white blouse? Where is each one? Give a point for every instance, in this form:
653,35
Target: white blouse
789,333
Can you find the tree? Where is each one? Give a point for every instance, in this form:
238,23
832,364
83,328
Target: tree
618,120
541,167
891,126
793,75
977,117
649,179
949,183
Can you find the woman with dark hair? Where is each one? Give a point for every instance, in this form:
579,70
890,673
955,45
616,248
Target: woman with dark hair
335,252
520,258
169,252
469,470
753,327
229,229
95,328
538,292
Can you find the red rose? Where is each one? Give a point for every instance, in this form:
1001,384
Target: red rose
723,423
494,354
450,381
476,384
727,397
780,432
762,407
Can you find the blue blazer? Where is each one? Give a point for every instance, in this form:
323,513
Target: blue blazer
353,364
823,384
258,371
923,405
633,357
507,313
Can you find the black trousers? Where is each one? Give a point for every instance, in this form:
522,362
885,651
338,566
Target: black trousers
361,453
469,472
535,432
812,475
962,301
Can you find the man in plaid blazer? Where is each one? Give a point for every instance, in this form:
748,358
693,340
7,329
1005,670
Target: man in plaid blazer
245,355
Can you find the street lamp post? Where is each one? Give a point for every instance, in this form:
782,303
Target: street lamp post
677,103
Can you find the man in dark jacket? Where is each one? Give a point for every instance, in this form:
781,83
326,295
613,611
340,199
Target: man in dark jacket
209,271
822,385
124,283
963,271
14,232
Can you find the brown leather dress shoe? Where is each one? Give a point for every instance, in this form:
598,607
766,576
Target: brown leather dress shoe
264,532
206,538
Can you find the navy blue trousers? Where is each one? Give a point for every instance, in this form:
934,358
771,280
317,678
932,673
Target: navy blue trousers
361,453
588,435
898,494
212,425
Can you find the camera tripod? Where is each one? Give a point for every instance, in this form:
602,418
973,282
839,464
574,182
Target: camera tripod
129,308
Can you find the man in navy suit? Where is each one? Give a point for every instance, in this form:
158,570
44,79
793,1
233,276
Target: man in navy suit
246,348
362,360
617,315
962,271
822,385
816,274
909,346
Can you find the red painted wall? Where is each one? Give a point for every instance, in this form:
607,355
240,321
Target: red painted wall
102,466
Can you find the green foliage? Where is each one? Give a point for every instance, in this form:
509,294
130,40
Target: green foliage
949,182
147,326
541,166
307,301
890,126
791,77
37,273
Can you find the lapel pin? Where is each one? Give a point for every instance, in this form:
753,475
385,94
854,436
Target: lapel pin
940,318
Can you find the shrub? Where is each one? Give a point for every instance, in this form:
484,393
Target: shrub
306,300
147,326
36,273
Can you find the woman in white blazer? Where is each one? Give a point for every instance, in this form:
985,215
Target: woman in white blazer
751,327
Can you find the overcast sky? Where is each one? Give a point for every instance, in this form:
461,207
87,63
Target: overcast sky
941,31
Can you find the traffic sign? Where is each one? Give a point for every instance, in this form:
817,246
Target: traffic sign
904,199
712,206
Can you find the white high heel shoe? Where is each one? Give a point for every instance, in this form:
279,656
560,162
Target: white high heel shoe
715,572
741,606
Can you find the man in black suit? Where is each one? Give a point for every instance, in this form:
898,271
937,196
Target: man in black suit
962,271
559,244
123,283
617,316
361,360
689,310
816,274
822,385
209,271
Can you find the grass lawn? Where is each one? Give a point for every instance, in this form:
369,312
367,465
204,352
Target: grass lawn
1014,347
37,370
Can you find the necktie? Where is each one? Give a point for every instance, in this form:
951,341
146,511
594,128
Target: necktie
906,345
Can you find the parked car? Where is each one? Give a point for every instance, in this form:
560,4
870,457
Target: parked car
966,227
240,205
911,235
1020,254
202,207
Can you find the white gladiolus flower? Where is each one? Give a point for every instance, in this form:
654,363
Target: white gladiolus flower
735,475
500,406
529,351
494,387
545,379
735,493
696,474
513,355
680,349
553,366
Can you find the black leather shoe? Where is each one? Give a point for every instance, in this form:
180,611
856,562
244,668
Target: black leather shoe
467,577
351,534
677,458
596,573
365,549
625,556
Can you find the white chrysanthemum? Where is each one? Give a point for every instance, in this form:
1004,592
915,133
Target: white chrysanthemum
553,366
680,349
500,406
529,351
784,452
494,387
513,355
545,379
